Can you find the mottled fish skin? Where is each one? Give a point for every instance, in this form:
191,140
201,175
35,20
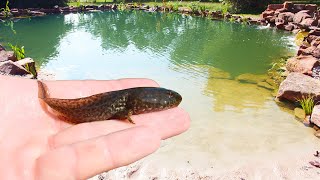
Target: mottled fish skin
112,105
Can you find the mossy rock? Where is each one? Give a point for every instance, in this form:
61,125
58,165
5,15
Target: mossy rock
251,78
299,114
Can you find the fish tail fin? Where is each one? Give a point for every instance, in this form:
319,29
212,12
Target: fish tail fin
42,90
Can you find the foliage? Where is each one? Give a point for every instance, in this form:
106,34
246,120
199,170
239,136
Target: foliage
307,103
6,10
246,6
276,71
33,3
19,52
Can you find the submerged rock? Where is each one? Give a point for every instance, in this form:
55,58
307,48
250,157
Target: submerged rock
299,114
251,78
297,85
265,85
315,116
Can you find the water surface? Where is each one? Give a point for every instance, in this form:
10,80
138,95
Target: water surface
233,122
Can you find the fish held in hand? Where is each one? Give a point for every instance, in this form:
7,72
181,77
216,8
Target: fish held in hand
119,104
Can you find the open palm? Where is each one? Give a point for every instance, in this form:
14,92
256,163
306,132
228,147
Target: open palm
36,145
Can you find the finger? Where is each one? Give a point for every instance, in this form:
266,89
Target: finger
88,158
83,88
165,123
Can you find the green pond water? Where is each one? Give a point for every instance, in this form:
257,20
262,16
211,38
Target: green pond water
233,123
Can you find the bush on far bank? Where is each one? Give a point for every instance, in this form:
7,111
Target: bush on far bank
248,6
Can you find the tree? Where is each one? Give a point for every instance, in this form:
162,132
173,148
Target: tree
248,5
33,3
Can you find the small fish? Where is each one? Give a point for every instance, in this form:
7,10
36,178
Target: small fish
112,105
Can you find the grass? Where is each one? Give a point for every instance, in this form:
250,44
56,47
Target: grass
307,104
175,4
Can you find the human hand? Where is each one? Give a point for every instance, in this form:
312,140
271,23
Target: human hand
35,145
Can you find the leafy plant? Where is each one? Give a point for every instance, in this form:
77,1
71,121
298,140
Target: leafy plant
18,51
307,103
6,10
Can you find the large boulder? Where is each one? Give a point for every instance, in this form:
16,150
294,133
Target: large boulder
288,5
311,7
286,16
12,68
315,116
300,16
302,64
297,85
299,7
274,6
264,14
7,55
309,22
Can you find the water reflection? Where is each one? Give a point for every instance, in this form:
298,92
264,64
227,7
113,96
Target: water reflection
197,57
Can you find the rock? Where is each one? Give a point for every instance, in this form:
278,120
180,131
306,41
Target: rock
306,51
289,27
311,7
12,68
218,73
7,55
282,10
288,5
286,16
185,10
37,13
299,113
309,22
300,16
265,85
274,6
297,85
302,64
280,25
2,48
28,62
299,7
315,116
251,78
306,121
267,13
314,32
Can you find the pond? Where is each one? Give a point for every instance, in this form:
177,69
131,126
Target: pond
234,123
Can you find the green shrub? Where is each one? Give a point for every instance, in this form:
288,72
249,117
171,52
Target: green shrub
248,6
33,3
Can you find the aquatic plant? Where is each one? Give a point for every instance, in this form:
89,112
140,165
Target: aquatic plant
277,70
6,10
307,103
19,52
121,6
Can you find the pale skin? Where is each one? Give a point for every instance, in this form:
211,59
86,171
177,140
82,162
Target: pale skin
36,145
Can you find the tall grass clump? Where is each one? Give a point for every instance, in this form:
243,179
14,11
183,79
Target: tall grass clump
307,103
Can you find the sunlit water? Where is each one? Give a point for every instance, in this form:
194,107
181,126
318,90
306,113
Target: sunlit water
233,123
